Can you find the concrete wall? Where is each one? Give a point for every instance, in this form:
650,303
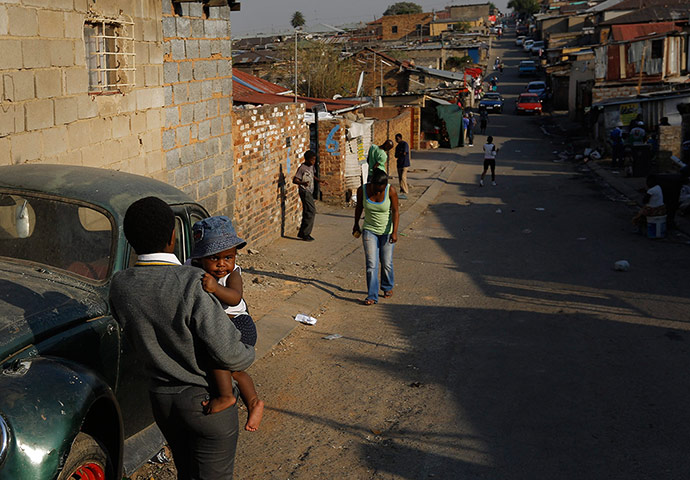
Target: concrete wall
392,120
47,114
197,80
470,11
670,139
266,201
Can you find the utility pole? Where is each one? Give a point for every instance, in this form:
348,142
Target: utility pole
295,65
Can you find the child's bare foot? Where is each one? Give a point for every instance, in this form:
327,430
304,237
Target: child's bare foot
256,413
218,404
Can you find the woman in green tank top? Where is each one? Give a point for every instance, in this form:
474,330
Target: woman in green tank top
379,203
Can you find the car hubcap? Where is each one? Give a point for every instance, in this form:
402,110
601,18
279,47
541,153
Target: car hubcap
89,471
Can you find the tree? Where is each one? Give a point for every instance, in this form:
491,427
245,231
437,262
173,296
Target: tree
402,8
492,8
320,72
462,27
297,20
525,8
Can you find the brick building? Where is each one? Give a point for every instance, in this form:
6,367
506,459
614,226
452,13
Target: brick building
409,26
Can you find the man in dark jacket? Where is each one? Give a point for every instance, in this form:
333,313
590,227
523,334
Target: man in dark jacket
402,155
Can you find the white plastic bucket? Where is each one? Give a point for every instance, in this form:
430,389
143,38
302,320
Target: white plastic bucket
656,227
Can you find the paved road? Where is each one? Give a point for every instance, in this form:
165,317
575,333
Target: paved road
511,349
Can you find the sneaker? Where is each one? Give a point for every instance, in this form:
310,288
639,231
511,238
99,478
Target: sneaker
402,196
493,183
481,183
471,144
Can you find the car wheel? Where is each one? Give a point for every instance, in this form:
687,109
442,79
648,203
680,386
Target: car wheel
87,460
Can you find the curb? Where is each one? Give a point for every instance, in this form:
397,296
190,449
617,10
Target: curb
277,324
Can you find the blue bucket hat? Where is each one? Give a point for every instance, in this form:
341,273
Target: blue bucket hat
213,235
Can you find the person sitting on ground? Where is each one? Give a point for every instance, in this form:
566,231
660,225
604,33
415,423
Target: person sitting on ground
654,203
377,157
215,251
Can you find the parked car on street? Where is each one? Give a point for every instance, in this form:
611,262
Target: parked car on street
528,103
537,47
527,67
74,403
521,29
519,40
539,88
527,44
491,102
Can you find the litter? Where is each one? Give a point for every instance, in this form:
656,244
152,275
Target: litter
499,210
621,266
332,336
582,238
540,209
527,230
306,319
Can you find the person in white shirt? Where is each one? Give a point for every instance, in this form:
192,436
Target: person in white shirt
653,204
490,151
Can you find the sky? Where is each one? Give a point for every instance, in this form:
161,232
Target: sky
273,16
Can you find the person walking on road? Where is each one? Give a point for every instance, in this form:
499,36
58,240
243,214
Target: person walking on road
490,152
483,120
402,155
377,157
379,203
305,178
465,128
179,331
470,129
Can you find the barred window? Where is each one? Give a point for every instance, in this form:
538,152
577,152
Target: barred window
110,57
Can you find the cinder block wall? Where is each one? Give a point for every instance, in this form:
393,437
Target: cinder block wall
392,120
332,159
197,88
47,114
670,139
267,203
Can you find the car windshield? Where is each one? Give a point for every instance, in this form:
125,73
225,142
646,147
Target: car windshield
492,96
526,63
55,233
536,86
529,98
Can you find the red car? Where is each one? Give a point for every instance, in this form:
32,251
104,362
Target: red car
528,103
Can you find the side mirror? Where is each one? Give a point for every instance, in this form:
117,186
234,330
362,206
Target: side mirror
22,224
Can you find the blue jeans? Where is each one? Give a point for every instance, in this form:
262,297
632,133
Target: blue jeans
378,247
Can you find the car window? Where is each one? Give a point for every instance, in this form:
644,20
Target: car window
56,233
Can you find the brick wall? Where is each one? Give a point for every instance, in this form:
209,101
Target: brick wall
332,159
601,93
197,84
47,114
392,120
262,156
670,139
406,25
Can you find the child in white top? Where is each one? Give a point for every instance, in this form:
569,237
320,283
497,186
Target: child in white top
654,204
215,251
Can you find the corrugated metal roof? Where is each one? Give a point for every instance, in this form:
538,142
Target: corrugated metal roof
676,12
245,83
271,99
636,30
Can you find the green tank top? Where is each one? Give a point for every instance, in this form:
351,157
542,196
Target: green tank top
377,215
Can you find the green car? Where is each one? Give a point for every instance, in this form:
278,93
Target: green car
73,401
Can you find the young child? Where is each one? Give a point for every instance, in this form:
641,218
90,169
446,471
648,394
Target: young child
653,204
490,151
215,250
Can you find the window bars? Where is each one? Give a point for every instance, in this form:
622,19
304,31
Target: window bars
110,56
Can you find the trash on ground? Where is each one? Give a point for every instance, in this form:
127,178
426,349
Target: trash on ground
252,251
416,384
498,210
527,230
621,266
161,457
375,431
518,151
306,319
540,209
582,238
333,336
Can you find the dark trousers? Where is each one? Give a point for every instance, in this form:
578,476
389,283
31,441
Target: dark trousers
203,446
308,213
